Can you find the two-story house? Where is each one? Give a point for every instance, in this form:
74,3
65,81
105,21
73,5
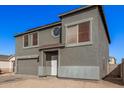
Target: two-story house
75,47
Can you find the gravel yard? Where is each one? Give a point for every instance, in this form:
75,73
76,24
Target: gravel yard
23,81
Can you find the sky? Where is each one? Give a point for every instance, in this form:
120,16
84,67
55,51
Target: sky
17,19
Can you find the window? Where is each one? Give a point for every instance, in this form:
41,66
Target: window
30,40
84,32
34,39
26,43
78,33
72,34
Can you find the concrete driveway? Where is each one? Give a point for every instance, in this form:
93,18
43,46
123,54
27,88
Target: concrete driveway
24,81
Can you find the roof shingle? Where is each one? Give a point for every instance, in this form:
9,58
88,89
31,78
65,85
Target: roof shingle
4,57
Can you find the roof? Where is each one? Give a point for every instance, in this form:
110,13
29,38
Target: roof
76,10
72,12
12,56
104,22
40,28
4,57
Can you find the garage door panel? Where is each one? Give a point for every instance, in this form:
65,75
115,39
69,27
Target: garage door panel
29,66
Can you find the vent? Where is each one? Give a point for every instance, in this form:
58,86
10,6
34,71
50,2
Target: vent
56,32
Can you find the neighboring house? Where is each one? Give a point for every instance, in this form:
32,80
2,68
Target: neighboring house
112,60
75,47
6,63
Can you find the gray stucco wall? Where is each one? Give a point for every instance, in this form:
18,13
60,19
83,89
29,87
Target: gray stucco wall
80,61
103,48
45,37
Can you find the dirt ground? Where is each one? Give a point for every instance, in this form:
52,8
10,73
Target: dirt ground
24,81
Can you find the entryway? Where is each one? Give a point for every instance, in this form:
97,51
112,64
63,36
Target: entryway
51,62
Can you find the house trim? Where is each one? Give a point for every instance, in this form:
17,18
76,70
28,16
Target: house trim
58,63
27,57
52,47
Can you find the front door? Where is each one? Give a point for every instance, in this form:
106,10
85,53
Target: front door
54,65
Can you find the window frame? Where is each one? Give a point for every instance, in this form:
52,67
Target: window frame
67,35
76,23
28,41
32,39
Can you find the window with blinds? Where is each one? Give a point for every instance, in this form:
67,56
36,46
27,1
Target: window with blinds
78,33
34,39
26,41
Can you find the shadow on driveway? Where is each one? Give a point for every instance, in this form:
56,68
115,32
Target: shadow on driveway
114,80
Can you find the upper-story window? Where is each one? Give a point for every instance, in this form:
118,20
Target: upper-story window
72,34
34,39
26,40
30,40
78,33
84,32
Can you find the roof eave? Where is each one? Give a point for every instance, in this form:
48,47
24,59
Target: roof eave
76,10
104,22
39,28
